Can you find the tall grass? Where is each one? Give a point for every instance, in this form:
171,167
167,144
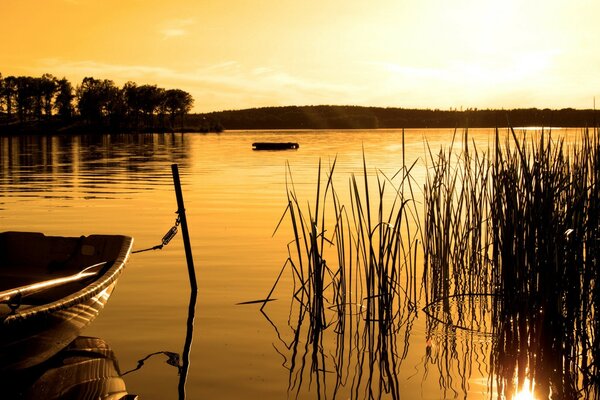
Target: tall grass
354,272
545,214
456,229
511,249
510,240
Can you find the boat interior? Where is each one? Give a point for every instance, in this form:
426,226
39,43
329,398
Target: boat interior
27,258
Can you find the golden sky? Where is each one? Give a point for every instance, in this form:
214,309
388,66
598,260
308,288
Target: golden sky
234,54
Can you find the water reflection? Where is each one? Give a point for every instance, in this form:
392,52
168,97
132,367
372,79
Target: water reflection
533,354
366,359
350,323
86,369
522,231
459,335
181,362
89,166
525,354
340,352
342,343
364,362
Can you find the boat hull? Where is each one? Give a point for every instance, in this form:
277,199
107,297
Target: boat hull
46,322
275,146
37,339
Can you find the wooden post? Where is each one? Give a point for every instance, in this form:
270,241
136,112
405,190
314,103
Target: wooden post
184,228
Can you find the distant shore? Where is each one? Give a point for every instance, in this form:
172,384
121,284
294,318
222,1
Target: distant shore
355,117
322,117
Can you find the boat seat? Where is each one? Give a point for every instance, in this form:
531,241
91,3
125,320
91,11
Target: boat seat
14,281
44,296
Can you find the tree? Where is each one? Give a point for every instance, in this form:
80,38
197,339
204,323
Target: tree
134,107
178,102
1,92
9,91
150,97
25,99
48,87
64,99
98,100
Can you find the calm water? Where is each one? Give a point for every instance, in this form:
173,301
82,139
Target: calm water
235,198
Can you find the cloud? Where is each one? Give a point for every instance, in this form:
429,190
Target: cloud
174,32
100,70
229,84
523,81
175,28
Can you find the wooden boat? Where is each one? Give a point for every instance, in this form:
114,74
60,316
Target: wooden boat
51,288
275,146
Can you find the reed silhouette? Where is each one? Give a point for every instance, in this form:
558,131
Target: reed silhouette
508,237
365,297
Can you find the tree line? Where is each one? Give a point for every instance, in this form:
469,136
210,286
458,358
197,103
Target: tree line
97,103
356,117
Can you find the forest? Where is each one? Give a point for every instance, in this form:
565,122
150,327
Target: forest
355,117
47,104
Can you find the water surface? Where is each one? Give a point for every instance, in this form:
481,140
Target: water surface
235,198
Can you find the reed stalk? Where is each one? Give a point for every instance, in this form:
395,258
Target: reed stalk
355,272
510,239
545,213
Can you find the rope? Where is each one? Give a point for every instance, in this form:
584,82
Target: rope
171,233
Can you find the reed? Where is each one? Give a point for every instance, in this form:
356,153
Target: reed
457,235
510,240
545,214
519,225
354,271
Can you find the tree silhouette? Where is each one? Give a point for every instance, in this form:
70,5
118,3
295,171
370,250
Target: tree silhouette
25,99
150,99
97,99
178,102
64,99
95,103
47,86
134,104
9,91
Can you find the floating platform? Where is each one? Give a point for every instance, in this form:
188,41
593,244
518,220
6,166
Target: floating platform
275,146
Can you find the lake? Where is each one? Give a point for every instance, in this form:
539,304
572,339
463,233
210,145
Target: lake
235,198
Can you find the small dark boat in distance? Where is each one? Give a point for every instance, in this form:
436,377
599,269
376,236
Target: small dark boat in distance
275,146
52,287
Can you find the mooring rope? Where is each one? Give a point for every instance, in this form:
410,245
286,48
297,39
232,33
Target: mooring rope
166,238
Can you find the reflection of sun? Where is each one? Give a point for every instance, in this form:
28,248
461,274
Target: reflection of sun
526,392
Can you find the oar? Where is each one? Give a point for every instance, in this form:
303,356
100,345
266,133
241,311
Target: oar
7,296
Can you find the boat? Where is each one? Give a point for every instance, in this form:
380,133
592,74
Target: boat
275,146
51,288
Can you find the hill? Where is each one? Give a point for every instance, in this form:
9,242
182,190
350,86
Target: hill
355,117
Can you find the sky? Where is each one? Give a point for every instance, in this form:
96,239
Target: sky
237,54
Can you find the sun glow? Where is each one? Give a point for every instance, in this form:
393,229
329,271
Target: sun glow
526,392
429,54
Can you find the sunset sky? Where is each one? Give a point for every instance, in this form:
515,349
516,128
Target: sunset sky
235,54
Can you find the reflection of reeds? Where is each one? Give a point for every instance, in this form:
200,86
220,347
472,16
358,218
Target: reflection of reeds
519,226
510,239
458,274
545,214
363,297
456,222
